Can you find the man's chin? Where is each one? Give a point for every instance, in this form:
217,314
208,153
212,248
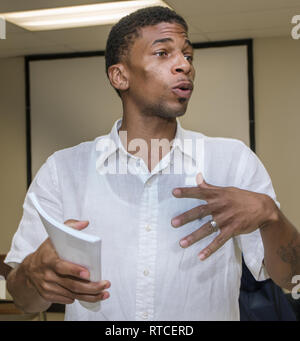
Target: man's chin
171,114
178,111
168,111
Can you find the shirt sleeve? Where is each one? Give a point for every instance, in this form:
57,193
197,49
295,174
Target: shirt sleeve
31,232
254,177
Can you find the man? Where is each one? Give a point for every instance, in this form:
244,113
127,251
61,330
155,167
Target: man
154,220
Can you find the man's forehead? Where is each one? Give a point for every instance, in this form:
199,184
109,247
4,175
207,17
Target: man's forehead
150,34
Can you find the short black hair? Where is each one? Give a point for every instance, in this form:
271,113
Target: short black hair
123,34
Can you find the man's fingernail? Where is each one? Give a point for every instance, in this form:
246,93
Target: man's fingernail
184,243
175,222
84,274
105,296
201,256
199,178
176,191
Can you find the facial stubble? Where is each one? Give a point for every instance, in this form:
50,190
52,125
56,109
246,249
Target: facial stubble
160,109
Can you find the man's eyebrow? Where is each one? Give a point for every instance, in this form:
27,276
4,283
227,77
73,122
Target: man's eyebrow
162,40
168,40
189,42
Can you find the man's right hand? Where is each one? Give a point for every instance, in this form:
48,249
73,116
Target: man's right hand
59,281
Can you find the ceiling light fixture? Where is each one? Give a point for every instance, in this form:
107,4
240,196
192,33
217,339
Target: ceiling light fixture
77,16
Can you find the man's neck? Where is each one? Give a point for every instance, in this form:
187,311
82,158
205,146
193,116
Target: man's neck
148,137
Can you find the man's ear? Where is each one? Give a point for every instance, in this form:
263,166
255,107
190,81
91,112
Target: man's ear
118,76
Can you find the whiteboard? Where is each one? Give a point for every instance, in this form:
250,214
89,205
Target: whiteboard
71,99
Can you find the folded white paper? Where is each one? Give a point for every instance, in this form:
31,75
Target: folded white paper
74,246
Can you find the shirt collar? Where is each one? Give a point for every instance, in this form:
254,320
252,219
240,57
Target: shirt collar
111,143
184,141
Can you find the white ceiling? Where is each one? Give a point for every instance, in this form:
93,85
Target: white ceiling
209,20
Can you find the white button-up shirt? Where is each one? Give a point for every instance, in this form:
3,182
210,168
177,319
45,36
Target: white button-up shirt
152,277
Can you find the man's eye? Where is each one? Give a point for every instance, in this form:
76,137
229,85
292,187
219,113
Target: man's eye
189,58
161,53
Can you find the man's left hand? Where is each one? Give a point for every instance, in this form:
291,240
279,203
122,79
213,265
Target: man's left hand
234,210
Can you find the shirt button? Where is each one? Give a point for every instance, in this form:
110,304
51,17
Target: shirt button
145,315
148,228
146,272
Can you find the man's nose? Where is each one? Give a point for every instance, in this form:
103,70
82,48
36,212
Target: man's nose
182,65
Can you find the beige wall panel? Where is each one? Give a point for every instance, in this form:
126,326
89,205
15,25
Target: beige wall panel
219,104
12,147
277,105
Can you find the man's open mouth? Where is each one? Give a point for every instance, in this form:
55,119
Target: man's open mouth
183,89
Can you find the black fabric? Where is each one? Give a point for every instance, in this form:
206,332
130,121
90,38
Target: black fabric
263,301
